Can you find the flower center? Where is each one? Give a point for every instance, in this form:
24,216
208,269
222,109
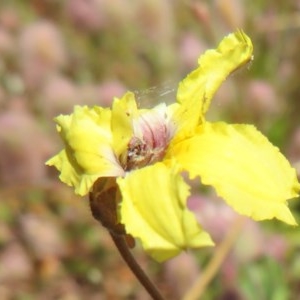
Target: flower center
140,154
150,139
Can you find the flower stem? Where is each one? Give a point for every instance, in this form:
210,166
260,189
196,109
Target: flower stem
126,254
103,204
214,265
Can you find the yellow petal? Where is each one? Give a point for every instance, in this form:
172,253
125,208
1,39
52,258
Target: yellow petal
244,168
154,210
88,152
123,111
71,173
197,89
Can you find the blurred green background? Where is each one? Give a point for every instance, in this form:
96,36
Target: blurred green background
58,53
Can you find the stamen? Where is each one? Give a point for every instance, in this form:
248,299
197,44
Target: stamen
150,140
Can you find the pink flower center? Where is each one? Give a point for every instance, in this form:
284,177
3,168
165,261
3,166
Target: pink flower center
150,140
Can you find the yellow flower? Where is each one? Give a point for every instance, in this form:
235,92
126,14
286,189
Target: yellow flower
148,149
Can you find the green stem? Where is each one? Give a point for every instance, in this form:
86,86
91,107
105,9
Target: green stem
126,254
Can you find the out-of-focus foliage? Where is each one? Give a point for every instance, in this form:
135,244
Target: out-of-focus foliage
54,54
